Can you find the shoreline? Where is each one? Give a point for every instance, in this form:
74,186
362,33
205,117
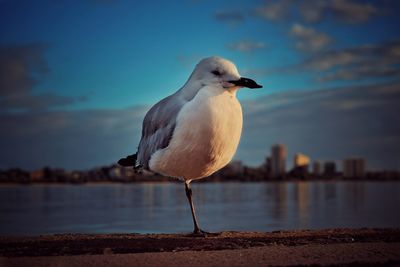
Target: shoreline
197,182
338,247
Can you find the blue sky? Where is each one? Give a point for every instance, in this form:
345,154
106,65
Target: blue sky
96,55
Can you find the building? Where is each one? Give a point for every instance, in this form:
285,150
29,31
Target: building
114,172
354,168
330,168
37,175
301,160
316,168
278,160
267,166
300,166
236,166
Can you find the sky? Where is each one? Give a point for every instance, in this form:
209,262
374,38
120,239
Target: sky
77,77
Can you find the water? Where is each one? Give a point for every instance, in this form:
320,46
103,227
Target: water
163,207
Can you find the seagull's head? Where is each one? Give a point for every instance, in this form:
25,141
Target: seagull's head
220,71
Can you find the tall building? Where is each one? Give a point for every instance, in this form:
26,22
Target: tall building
278,160
354,168
330,168
317,168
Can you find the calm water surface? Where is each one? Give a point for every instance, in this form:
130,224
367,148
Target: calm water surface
163,208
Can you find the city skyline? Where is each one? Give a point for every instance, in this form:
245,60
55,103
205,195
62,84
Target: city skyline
276,163
273,169
350,166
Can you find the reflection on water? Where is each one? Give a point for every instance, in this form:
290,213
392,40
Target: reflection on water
162,207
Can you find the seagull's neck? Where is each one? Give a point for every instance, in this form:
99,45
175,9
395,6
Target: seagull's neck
190,89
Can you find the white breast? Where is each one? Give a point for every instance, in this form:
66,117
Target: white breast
206,136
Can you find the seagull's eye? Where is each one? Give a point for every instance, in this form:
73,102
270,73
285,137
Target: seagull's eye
216,73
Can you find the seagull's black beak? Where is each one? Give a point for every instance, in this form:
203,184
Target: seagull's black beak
246,82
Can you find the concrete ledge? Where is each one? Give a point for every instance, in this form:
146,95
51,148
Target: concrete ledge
333,247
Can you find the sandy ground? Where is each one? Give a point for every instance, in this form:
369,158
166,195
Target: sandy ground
334,247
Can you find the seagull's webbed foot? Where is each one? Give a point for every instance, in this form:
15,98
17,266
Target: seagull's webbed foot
201,233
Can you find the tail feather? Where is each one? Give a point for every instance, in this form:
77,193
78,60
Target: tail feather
129,161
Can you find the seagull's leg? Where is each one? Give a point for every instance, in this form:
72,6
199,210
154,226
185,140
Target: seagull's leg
188,190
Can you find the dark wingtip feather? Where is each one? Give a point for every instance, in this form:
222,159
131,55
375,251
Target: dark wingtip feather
128,161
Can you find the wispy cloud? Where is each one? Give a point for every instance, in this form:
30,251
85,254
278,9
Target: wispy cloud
34,102
352,11
247,46
343,10
232,17
22,67
312,11
274,10
362,71
355,63
365,61
69,139
308,39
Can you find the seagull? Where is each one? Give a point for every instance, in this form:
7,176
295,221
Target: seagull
194,132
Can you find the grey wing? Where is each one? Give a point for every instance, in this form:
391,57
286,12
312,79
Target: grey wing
158,128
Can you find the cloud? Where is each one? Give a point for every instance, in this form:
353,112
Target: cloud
348,104
312,11
352,11
274,11
362,62
366,61
246,46
69,139
309,39
334,58
28,102
362,71
326,125
230,17
343,10
391,89
22,68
